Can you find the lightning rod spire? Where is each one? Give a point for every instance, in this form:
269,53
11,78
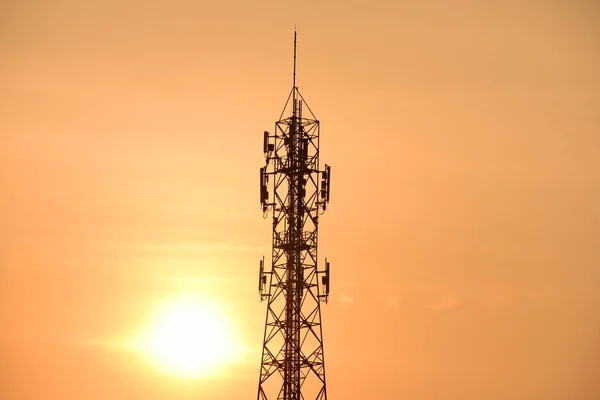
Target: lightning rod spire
294,58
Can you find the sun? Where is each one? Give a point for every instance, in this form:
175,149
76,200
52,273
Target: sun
188,338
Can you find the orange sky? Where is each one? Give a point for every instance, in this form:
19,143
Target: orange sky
464,227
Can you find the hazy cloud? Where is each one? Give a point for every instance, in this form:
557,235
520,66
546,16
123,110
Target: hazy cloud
444,303
345,299
392,302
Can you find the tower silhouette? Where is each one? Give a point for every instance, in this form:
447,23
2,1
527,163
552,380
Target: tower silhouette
296,191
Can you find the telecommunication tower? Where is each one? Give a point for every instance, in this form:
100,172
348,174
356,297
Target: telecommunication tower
296,191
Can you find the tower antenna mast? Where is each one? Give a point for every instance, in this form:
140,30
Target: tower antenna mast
296,191
294,84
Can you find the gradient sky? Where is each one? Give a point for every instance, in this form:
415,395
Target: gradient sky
464,225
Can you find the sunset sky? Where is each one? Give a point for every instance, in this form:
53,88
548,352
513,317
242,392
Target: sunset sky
464,224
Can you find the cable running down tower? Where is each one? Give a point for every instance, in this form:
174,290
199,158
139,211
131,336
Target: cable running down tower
296,191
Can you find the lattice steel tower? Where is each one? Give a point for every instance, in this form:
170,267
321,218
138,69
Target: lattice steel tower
296,191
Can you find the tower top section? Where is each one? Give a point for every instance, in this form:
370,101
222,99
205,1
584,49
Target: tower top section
292,105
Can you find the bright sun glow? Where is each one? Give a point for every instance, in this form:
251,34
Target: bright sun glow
189,338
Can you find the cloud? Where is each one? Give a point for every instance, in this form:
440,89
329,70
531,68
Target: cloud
392,302
198,246
444,303
345,284
496,300
345,299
